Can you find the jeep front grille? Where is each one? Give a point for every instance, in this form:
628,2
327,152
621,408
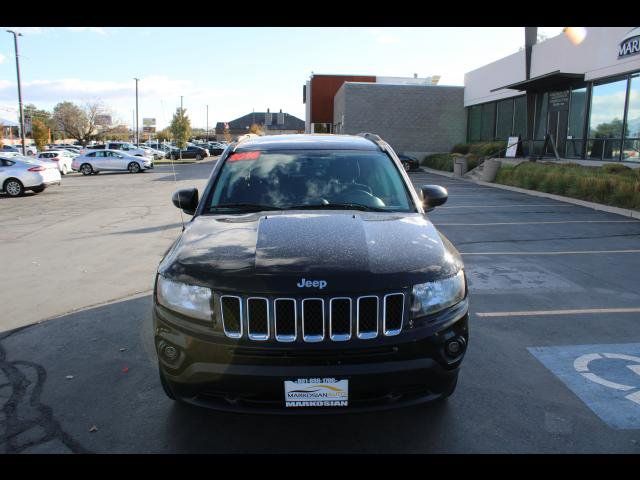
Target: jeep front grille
312,319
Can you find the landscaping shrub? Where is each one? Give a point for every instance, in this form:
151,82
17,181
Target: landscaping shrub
439,161
462,148
609,185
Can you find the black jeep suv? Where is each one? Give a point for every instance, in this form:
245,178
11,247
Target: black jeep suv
310,280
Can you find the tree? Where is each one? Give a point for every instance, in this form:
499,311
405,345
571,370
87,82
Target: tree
180,127
81,123
227,133
40,133
256,128
164,135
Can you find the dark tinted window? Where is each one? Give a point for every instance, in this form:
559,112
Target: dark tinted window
293,178
92,154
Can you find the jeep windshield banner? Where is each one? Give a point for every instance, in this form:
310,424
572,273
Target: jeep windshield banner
630,44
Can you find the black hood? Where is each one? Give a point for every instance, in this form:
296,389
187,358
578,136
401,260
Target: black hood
351,251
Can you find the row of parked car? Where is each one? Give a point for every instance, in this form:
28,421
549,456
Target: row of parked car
19,173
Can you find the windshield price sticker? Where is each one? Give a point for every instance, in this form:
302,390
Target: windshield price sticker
316,392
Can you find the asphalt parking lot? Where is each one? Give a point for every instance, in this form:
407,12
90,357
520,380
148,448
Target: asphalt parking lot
552,366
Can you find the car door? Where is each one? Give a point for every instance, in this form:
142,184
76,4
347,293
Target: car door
4,170
99,161
120,161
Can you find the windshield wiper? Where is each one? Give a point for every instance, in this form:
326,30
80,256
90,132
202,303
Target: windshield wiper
336,206
245,207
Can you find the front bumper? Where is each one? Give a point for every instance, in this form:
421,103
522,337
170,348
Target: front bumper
231,375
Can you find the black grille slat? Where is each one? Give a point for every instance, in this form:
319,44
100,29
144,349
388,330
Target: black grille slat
285,321
340,318
367,316
393,311
258,318
313,318
231,315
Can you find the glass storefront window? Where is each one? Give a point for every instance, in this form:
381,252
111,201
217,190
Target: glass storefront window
475,123
488,121
505,119
520,117
575,133
542,105
607,113
631,150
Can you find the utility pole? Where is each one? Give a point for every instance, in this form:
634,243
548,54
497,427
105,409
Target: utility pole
15,41
137,133
207,123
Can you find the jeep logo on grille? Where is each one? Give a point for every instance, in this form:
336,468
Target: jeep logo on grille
311,284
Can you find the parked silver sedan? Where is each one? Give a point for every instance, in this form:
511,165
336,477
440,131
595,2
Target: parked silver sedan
95,161
18,173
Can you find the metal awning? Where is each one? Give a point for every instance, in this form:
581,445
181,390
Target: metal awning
547,81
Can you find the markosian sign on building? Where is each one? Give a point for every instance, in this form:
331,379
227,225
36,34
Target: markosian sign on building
630,44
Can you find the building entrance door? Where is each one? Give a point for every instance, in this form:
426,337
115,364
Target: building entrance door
558,120
558,125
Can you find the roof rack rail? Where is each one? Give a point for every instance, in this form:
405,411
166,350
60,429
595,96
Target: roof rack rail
374,138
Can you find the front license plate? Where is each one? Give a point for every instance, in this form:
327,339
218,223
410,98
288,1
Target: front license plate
316,392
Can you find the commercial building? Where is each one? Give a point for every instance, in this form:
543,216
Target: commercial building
414,119
585,96
271,123
415,115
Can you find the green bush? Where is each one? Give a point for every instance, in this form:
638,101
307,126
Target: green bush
595,184
439,161
462,148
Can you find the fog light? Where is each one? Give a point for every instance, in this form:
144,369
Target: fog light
170,353
453,347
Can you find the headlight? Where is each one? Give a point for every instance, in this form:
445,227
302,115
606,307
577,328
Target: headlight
190,300
431,297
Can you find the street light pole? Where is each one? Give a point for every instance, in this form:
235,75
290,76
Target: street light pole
15,41
137,133
207,123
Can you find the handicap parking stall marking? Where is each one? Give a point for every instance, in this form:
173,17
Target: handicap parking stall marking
605,377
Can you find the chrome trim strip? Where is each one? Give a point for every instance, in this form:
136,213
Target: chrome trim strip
224,327
390,333
260,336
340,337
312,338
367,335
286,338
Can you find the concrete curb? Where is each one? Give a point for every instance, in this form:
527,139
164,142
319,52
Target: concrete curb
595,206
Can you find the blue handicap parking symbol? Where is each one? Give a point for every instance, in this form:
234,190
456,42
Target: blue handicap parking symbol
605,377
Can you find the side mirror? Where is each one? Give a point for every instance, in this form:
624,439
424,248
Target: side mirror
186,199
433,196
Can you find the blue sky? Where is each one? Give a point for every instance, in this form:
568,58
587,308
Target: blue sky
233,70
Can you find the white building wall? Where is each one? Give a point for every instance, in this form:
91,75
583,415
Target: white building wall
596,57
479,83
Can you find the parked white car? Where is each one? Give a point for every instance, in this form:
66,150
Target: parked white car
61,158
19,173
96,161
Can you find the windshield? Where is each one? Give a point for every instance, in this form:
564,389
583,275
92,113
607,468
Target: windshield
365,180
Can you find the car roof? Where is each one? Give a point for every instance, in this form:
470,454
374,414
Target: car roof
307,142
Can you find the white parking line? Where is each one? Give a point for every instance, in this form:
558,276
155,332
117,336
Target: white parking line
516,205
535,223
575,252
559,312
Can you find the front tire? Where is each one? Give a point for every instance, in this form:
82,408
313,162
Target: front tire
198,157
166,387
13,187
86,169
134,167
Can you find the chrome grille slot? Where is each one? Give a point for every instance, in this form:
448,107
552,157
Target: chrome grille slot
231,312
285,319
340,319
313,319
393,313
258,318
367,317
